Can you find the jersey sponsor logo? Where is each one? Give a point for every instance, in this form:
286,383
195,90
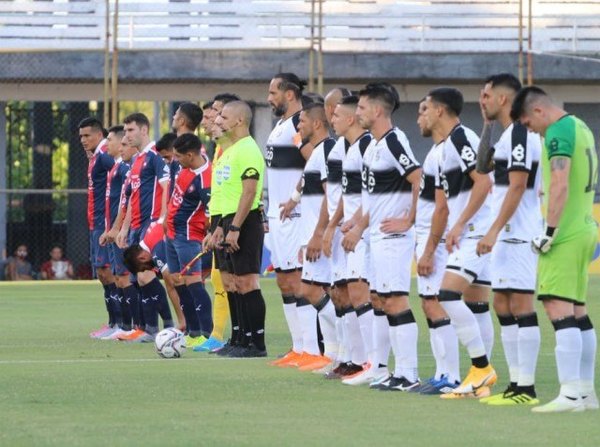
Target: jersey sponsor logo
467,154
371,182
444,183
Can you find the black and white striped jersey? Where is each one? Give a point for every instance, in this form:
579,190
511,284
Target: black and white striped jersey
352,181
335,161
389,191
313,178
459,157
518,150
430,177
284,163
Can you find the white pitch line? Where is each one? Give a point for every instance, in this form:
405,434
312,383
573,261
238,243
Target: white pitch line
67,361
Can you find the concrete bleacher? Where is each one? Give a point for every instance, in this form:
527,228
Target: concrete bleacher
397,26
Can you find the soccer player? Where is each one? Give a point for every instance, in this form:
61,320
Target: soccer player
394,177
148,181
91,135
240,233
316,269
114,185
368,310
431,256
285,162
567,243
466,197
517,216
186,226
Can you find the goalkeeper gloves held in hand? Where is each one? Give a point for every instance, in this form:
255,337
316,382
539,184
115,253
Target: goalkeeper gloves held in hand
542,243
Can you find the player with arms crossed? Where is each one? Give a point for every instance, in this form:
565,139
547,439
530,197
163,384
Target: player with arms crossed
567,243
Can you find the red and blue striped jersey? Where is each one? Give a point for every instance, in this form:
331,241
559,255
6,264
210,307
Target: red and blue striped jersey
99,165
154,243
114,184
188,207
148,175
174,169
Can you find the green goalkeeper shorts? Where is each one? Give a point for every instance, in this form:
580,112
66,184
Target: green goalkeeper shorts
563,271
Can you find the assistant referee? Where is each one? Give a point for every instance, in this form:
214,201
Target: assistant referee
239,235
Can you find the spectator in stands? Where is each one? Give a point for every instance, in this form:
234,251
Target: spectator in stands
18,268
57,267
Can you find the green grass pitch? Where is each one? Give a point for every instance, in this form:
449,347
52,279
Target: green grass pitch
60,388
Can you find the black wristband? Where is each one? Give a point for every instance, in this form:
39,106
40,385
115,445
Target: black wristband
550,231
234,228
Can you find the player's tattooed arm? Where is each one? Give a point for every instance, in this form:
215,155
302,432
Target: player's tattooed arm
559,189
485,152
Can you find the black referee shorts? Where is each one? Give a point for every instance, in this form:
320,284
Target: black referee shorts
248,258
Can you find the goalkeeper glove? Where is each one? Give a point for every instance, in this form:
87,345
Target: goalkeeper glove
542,243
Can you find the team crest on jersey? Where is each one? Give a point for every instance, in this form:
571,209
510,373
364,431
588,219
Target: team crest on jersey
467,154
405,161
518,154
553,146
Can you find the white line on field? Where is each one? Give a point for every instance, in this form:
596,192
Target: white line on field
62,361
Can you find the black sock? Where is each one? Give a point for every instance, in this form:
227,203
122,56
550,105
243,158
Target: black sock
480,362
256,310
192,325
107,303
141,319
529,390
126,306
203,307
115,304
235,322
150,294
163,308
245,334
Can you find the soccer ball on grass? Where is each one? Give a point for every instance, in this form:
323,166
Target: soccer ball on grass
170,343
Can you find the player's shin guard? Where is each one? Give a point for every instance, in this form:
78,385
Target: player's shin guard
358,356
509,334
125,310
568,355
481,311
365,315
149,297
192,325
291,317
447,349
529,339
307,316
404,335
327,320
381,337
465,325
588,355
202,306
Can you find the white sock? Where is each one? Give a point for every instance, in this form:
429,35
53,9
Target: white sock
437,349
568,359
291,317
509,334
486,329
365,321
529,339
327,322
404,335
451,360
588,355
381,338
466,327
355,342
340,329
307,315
